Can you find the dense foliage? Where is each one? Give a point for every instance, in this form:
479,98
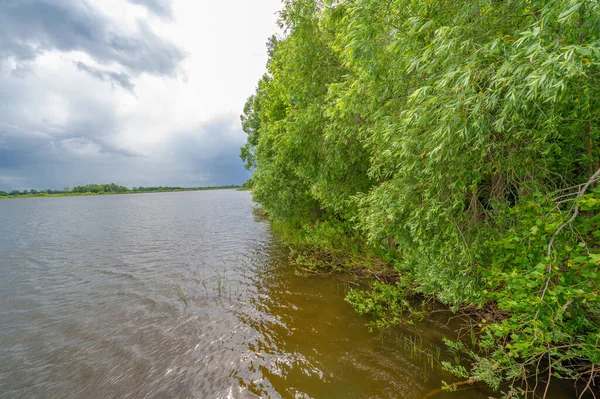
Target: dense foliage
459,140
100,188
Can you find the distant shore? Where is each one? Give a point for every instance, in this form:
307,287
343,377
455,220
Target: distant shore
44,193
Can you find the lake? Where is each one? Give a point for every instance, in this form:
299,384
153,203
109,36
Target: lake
183,295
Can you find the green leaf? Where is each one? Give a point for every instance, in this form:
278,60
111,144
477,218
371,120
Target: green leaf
565,14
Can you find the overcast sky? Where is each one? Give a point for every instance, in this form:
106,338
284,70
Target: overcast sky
135,92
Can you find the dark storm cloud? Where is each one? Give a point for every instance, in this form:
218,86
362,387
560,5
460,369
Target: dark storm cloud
162,8
16,152
27,137
29,28
121,79
204,156
212,149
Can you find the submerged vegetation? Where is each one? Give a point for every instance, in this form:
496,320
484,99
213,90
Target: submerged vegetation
101,189
457,142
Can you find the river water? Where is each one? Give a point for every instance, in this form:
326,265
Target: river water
182,295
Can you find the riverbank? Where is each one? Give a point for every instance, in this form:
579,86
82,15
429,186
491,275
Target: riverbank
416,134
377,287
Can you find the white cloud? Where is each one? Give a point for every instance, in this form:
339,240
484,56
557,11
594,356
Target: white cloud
123,99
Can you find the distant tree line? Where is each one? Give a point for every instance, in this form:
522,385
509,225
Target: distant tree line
110,188
29,192
100,188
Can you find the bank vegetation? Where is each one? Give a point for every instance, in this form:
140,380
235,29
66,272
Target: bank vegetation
457,142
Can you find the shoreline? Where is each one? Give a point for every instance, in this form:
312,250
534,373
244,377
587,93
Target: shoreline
90,194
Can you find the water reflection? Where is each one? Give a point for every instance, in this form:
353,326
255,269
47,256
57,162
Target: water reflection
312,344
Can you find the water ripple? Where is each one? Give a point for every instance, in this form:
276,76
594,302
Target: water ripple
176,295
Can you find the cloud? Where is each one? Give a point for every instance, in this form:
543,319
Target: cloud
211,149
121,79
54,103
16,152
162,8
29,28
136,92
206,155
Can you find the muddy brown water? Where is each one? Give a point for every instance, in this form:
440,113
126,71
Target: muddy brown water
183,295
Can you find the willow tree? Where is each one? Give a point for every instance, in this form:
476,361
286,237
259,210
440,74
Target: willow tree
462,138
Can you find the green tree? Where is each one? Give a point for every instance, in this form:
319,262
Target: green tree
441,134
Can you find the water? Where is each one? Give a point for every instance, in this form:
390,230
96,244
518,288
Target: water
181,295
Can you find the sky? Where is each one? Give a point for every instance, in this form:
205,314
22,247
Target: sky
132,92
